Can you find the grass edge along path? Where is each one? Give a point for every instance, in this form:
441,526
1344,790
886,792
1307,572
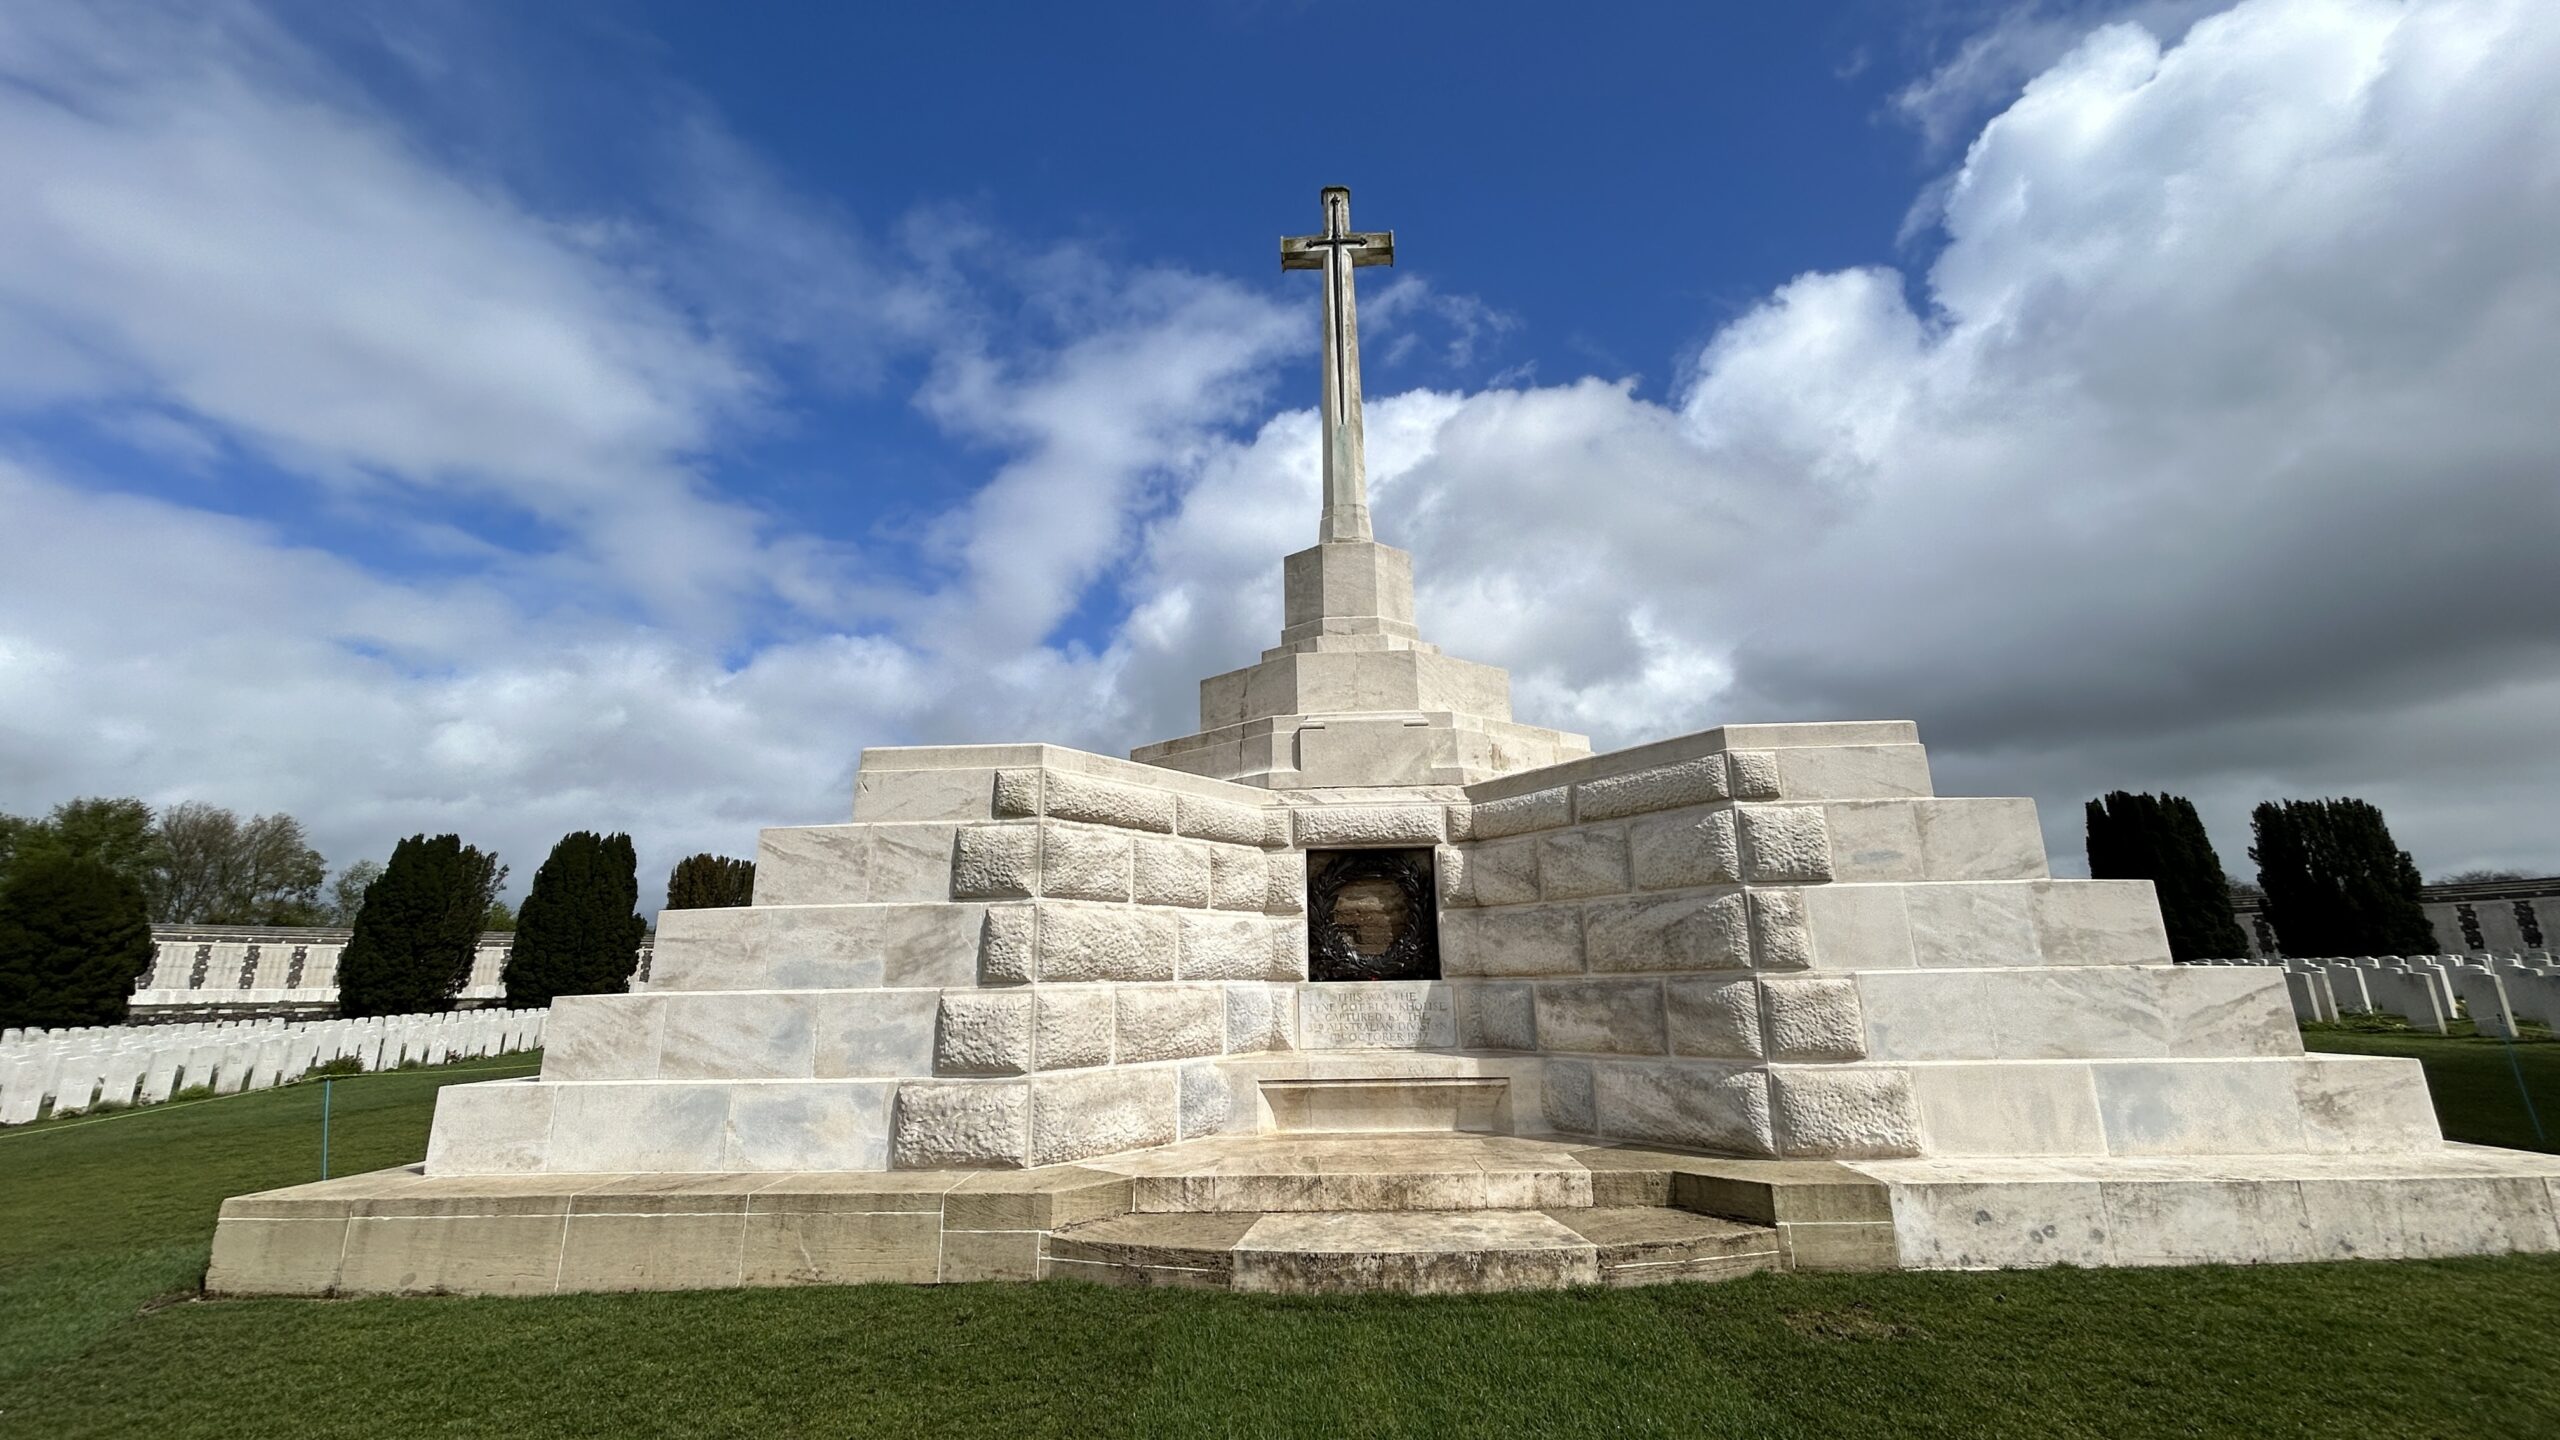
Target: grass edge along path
120,1214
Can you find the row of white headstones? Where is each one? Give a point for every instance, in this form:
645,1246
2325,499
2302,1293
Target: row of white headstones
2428,991
70,1072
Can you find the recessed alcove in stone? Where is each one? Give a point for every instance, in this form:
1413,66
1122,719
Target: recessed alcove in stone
1371,915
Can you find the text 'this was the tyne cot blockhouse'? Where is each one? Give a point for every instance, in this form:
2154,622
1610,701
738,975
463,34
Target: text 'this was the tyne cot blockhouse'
1367,985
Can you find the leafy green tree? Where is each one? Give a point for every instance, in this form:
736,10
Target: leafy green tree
2336,883
2160,838
710,882
117,833
578,933
501,916
2480,877
346,893
216,868
74,936
417,927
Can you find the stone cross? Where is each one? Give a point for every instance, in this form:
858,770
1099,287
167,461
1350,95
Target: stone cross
1337,252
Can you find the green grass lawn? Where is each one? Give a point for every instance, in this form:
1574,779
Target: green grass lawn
104,1227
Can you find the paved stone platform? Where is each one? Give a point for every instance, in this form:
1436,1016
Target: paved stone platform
1304,1212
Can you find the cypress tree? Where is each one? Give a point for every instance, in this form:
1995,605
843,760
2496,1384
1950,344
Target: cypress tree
2161,838
2335,882
417,927
710,882
74,936
577,933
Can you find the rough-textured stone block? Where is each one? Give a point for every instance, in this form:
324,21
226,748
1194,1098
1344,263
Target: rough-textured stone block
1084,862
996,862
1780,937
1073,1028
1665,787
1106,942
1325,826
1219,946
1814,1018
1785,844
1515,940
1165,1022
1285,891
1846,1114
1609,1017
1688,932
1017,793
1288,947
1068,796
1538,810
1170,872
1102,1112
1584,861
1691,847
1714,1019
1505,873
1261,1017
983,1034
1755,774
1497,1017
1239,879
1005,944
1207,1102
1220,820
1450,865
1701,1106
959,1125
1568,1097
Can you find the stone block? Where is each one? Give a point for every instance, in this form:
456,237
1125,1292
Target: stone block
1239,878
1072,1028
1687,932
841,1248
960,1125
1288,938
1714,1019
497,1127
1874,840
738,1036
599,1037
1781,938
912,862
1069,796
1515,940
1970,926
451,1254
1784,844
1608,1017
650,1252
872,1033
1998,1109
884,795
1813,1018
822,1125
1537,810
1102,1112
1756,774
1568,1097
1331,826
1686,848
1497,1016
1006,944
1583,861
2098,922
1505,872
1854,772
2363,1104
1843,1113
1384,1015
1169,1022
974,1256
2075,1013
1980,839
1215,945
983,1033
1084,862
1226,821
2226,1010
1703,1107
1261,1018
259,1256
996,862
1449,865
608,1127
1106,942
2199,1107
813,865
1285,891
1665,787
1017,793
1175,872
1928,1015
1205,1102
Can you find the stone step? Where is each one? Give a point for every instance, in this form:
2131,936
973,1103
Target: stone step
1411,1251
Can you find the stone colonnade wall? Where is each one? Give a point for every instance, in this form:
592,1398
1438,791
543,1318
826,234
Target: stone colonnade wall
252,970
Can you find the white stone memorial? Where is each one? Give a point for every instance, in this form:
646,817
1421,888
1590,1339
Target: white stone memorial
1755,997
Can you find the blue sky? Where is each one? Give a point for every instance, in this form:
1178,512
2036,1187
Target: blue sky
518,418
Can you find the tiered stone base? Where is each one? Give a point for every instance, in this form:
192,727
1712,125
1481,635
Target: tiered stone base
1282,1213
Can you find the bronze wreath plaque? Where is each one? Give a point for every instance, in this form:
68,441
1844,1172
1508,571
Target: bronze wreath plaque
1370,915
